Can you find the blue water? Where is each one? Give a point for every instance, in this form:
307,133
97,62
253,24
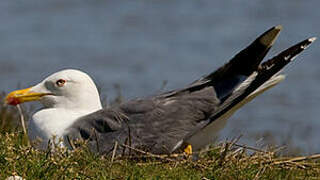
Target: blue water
140,44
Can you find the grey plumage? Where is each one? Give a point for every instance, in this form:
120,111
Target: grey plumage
167,122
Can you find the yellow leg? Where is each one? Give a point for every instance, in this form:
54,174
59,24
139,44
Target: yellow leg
188,149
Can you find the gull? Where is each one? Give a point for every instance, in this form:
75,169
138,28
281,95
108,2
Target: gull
181,120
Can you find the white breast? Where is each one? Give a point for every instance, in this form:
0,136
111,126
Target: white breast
50,124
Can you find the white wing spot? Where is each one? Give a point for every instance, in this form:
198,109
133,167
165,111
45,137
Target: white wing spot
168,102
287,58
304,46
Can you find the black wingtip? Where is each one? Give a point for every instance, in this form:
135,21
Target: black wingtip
274,65
287,55
266,71
306,43
248,60
269,37
312,39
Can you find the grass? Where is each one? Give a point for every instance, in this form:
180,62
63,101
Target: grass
227,160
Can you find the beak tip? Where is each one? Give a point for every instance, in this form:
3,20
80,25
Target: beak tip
24,95
11,101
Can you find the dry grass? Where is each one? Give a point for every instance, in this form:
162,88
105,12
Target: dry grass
225,161
228,160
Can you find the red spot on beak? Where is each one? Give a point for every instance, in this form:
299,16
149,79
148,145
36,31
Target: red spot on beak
12,101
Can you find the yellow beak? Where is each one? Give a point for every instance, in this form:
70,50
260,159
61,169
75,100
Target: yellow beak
24,95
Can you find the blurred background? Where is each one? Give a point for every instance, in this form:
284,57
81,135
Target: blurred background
141,45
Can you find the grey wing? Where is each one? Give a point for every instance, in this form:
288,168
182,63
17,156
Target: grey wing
174,117
158,124
193,114
151,124
164,123
264,77
100,130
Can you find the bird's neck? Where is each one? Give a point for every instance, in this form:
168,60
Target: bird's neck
51,123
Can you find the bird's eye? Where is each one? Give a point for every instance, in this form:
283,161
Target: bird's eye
60,82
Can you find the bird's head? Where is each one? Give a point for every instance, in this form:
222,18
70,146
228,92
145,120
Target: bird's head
67,89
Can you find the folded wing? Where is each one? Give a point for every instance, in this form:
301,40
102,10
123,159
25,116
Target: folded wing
192,115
